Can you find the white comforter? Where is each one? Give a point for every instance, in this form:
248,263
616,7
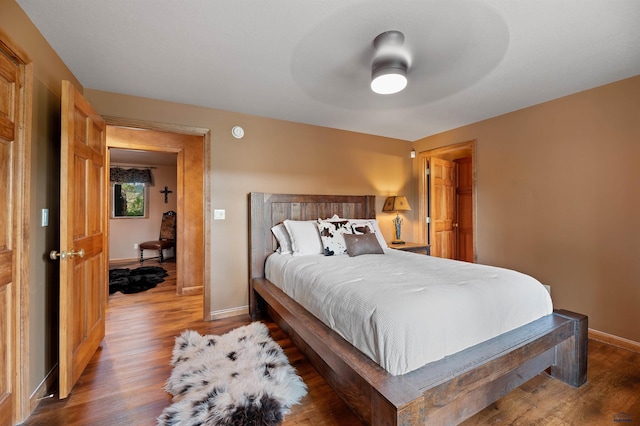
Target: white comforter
404,310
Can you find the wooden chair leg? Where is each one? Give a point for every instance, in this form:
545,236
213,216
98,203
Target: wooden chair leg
161,258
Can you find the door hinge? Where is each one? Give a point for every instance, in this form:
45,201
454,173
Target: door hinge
428,219
427,171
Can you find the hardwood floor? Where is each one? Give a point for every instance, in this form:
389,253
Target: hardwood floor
123,383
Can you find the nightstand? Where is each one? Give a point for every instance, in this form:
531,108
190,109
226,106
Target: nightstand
412,247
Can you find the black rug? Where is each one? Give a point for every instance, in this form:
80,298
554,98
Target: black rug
130,281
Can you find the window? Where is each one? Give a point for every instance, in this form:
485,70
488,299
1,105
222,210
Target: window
129,192
129,200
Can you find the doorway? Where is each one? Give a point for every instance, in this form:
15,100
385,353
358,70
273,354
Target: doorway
145,189
192,148
447,199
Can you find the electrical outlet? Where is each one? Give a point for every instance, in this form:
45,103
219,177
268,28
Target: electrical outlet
135,246
218,214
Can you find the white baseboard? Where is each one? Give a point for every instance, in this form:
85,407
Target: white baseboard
231,312
610,339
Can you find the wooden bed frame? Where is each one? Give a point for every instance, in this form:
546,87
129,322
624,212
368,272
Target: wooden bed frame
447,391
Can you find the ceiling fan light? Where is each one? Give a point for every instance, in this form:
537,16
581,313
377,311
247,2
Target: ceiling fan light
388,77
390,64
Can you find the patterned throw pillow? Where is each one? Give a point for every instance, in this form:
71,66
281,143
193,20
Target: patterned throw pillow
331,234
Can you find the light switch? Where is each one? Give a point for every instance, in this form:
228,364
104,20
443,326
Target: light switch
45,217
218,214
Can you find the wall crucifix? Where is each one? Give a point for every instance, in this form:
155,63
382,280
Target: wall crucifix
166,193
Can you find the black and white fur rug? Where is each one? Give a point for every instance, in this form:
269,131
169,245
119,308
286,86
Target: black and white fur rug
239,378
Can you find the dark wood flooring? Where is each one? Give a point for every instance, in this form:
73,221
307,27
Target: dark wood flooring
123,383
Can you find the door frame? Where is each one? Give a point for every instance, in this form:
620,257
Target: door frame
206,135
21,212
448,152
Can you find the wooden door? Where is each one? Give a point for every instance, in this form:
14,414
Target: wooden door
9,152
16,83
463,154
83,263
442,186
464,209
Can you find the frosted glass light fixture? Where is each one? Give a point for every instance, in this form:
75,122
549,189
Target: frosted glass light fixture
390,64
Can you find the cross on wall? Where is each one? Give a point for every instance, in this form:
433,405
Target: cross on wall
166,193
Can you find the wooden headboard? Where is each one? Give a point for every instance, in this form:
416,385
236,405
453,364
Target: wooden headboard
267,210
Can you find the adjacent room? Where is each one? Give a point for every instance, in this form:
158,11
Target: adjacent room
290,179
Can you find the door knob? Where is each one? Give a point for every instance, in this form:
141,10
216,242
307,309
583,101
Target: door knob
55,255
63,254
73,254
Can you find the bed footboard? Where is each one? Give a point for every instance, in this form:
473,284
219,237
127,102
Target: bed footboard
571,355
447,391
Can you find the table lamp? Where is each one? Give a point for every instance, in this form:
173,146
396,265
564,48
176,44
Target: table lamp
397,204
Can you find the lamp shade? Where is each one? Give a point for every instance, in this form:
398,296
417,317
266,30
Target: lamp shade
396,204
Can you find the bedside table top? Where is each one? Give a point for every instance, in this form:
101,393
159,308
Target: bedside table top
412,247
408,245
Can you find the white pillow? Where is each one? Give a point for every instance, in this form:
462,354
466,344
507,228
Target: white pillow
282,236
373,226
305,238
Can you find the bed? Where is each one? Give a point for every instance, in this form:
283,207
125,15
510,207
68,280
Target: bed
445,391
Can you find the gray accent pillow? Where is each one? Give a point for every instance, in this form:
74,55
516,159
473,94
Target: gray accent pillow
362,244
282,236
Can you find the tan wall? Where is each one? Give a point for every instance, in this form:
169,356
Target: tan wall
273,156
558,199
49,71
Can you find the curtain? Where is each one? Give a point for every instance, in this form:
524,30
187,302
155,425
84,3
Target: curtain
130,175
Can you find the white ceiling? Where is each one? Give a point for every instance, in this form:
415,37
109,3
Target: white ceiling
310,61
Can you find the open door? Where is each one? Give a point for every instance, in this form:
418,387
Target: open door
83,267
442,190
447,200
464,209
